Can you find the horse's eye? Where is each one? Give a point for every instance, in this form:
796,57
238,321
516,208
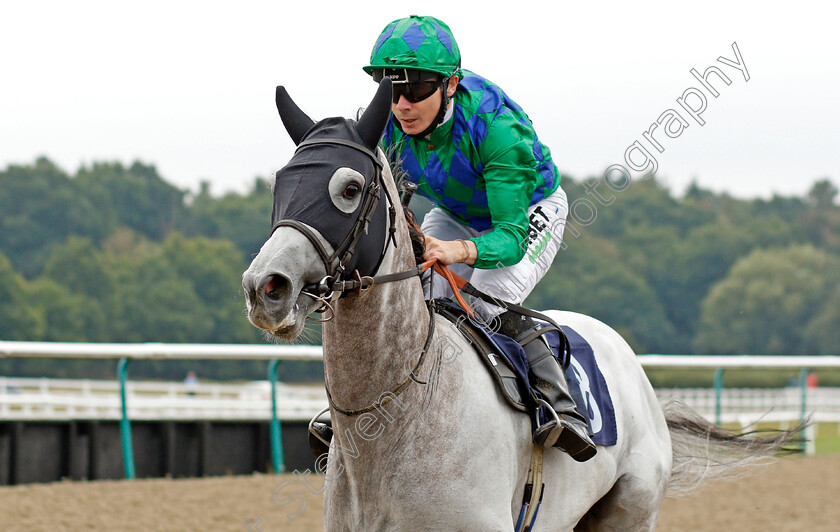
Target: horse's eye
351,191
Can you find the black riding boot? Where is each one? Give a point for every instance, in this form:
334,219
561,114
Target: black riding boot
571,434
320,436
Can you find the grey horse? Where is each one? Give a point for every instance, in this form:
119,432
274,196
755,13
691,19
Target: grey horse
423,439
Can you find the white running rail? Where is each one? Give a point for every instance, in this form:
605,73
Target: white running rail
51,399
63,399
43,399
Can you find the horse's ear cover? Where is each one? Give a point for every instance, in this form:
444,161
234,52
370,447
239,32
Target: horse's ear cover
296,121
333,143
372,123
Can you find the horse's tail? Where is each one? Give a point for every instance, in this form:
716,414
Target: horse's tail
704,451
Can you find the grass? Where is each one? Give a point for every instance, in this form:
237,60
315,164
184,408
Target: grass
828,438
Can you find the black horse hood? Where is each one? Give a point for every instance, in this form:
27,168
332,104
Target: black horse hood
302,187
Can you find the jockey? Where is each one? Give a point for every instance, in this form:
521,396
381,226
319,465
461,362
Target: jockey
499,210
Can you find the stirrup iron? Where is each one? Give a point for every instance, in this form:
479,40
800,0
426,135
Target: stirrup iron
319,435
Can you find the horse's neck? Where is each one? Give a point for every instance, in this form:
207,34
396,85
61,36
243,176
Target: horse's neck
376,338
373,342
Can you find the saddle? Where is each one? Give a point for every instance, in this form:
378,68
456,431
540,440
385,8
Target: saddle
506,361
510,374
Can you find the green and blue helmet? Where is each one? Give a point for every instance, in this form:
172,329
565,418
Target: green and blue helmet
407,51
416,43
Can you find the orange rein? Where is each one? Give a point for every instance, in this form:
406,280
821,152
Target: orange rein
454,280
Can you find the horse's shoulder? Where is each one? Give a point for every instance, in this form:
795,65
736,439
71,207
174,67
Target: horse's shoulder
450,339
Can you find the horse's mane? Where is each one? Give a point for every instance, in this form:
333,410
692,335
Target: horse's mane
418,242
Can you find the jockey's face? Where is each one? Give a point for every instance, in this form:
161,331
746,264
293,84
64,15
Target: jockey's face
416,117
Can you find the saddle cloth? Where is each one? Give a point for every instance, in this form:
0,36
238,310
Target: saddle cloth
507,363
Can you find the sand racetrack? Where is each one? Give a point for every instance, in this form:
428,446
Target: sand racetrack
791,494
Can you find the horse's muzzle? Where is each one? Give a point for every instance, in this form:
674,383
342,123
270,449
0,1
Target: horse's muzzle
270,300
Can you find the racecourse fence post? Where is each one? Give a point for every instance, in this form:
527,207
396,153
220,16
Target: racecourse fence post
276,437
718,394
125,423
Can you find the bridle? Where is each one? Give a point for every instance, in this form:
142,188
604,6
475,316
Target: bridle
338,281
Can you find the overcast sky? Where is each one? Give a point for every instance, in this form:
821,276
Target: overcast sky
189,86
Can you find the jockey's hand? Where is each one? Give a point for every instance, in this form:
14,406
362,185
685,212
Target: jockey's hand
450,251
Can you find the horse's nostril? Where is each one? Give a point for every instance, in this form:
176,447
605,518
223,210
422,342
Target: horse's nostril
275,287
249,288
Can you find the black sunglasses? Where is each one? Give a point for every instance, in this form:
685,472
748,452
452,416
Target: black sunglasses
416,91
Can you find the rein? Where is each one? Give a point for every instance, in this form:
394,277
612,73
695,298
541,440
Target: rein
335,281
534,486
458,284
412,377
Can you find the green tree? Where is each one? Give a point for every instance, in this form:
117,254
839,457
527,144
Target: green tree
41,206
822,333
19,319
244,220
646,202
683,253
213,269
701,259
184,290
821,223
766,301
127,244
155,304
823,194
590,277
136,197
77,266
69,316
